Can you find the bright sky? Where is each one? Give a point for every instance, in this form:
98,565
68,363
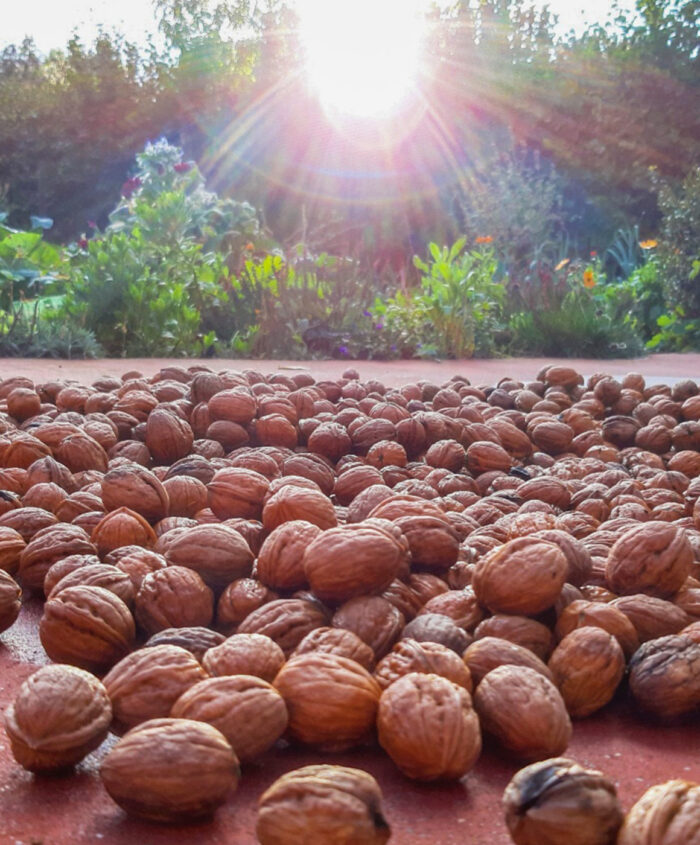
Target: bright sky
51,22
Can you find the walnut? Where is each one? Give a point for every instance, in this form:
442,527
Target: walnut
217,553
195,639
581,613
97,575
433,542
245,654
240,599
577,555
487,653
248,711
174,597
133,486
523,576
667,814
520,630
237,493
10,600
47,546
353,481
524,712
588,665
354,560
11,547
665,676
340,641
374,619
286,621
136,562
59,715
484,456
436,628
332,701
428,658
122,527
280,561
88,627
322,804
653,558
293,502
168,436
170,770
428,727
556,801
146,683
459,605
652,618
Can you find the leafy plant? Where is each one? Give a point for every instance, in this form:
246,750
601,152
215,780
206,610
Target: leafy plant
36,330
27,262
155,281
637,301
456,310
625,253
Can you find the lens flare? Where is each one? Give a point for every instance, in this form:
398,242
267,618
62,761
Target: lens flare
362,56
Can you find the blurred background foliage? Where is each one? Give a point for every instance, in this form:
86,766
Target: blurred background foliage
545,148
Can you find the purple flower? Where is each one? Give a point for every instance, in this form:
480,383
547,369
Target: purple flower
92,224
343,350
393,347
367,313
82,242
130,186
379,326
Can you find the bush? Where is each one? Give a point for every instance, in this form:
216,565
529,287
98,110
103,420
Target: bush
158,279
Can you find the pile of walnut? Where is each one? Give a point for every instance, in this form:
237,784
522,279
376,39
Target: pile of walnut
242,558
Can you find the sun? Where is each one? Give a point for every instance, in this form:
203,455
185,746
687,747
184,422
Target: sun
362,56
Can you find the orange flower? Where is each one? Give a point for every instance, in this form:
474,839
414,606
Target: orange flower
650,244
562,264
249,246
484,239
588,279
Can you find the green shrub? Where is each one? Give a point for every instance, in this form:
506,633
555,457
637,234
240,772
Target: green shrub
156,281
638,301
455,313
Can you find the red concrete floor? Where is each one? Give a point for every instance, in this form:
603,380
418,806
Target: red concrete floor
75,809
655,367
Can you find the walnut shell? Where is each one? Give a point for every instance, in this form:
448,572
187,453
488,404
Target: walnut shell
245,654
280,561
374,619
286,621
122,527
654,558
340,641
667,814
436,628
195,639
581,613
239,600
10,600
332,701
88,627
170,770
293,502
97,575
316,805
652,618
237,493
48,546
146,683
11,547
174,597
133,486
428,727
557,801
520,630
217,553
523,576
665,676
588,665
487,653
60,714
248,711
168,436
524,712
427,658
353,560
433,542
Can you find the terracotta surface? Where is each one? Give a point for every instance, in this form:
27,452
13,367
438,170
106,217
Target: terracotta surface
655,367
75,809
